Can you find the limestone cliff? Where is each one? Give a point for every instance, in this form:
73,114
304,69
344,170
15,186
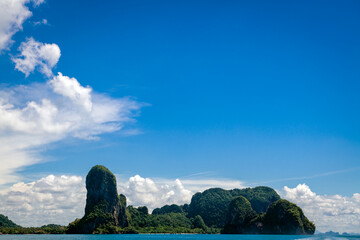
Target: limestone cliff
284,217
103,206
212,204
239,217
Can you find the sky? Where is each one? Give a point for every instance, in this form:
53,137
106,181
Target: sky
175,97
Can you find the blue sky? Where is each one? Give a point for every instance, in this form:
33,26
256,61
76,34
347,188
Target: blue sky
262,92
250,90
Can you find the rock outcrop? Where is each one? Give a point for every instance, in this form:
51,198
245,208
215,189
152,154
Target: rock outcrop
104,207
239,217
122,220
284,217
212,204
259,197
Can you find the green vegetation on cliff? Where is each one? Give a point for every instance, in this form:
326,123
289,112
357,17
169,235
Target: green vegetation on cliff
46,229
168,209
260,197
5,222
122,211
104,208
172,222
212,204
284,217
9,227
198,222
239,216
101,190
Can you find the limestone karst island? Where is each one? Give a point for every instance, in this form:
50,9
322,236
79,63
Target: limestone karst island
258,210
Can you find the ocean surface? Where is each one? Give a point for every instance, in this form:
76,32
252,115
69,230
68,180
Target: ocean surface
175,237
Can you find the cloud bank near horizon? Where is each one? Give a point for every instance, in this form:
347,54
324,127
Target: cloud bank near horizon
51,199
61,199
329,212
44,201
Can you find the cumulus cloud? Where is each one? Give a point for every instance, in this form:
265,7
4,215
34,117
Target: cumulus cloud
155,193
39,55
145,192
13,13
71,88
52,199
41,113
336,212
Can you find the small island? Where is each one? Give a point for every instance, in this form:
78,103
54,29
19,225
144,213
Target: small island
258,210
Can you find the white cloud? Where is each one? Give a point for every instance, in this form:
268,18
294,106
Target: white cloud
71,88
336,213
13,13
38,2
36,54
155,193
52,199
41,113
42,22
145,192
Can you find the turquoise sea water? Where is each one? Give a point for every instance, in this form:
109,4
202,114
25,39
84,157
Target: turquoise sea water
175,237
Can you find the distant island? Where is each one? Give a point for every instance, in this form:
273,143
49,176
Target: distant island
337,234
258,210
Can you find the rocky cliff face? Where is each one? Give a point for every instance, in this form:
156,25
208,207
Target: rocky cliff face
260,197
284,217
104,208
212,204
101,192
239,216
122,220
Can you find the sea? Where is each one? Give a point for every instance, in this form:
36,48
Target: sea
174,237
